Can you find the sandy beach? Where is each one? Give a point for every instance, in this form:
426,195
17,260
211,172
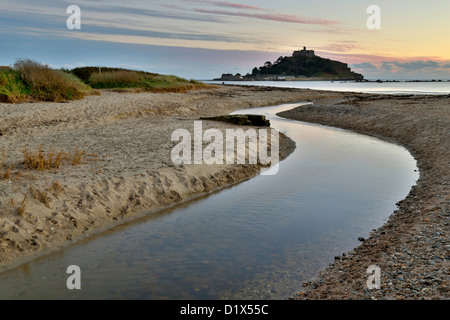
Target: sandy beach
127,172
412,249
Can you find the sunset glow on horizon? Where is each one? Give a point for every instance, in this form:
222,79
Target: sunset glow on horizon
203,38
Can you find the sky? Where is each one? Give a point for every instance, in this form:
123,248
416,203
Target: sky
201,39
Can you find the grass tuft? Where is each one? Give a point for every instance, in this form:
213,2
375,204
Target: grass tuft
55,188
5,171
21,210
77,158
40,161
40,196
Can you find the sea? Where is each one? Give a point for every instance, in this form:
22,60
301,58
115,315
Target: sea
438,87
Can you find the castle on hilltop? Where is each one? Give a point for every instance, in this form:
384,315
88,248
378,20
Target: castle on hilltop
302,65
304,53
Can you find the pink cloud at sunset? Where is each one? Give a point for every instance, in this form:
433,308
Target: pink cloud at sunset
289,18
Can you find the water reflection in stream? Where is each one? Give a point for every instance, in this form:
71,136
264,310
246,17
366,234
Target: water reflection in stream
257,240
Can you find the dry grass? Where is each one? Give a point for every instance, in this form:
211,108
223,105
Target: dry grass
2,162
55,188
40,161
42,83
116,79
77,157
138,81
5,171
40,196
32,81
21,209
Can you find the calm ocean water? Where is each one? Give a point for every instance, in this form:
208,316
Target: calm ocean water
435,88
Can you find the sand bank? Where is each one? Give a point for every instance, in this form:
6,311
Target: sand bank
127,169
131,175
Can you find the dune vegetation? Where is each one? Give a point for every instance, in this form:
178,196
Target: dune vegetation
30,81
132,80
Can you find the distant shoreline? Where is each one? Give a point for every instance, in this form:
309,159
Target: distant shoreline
328,80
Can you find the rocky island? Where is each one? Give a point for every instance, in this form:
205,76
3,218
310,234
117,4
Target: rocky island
303,65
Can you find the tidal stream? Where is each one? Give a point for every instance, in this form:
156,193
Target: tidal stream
257,240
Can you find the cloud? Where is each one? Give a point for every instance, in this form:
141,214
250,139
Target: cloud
200,42
238,6
172,6
386,67
400,69
341,47
376,59
289,18
414,66
365,66
228,5
157,14
97,9
419,65
188,36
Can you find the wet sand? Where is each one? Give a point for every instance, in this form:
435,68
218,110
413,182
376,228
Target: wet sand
130,174
413,248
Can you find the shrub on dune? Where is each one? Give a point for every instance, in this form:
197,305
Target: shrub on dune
45,83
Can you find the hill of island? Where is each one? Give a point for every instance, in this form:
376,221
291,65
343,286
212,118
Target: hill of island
302,65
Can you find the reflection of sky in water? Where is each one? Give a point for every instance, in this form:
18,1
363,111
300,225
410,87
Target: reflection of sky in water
352,86
257,240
